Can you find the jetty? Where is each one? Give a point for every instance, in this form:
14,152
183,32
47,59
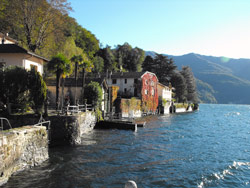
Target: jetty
121,124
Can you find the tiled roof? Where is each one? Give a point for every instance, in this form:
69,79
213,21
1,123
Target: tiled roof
125,75
13,48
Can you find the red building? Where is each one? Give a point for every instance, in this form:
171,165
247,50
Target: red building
142,85
149,92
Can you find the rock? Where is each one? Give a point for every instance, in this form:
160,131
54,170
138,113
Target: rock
130,184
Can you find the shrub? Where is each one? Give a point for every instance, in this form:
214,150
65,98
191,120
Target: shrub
22,88
93,94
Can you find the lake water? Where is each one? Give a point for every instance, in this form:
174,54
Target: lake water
208,148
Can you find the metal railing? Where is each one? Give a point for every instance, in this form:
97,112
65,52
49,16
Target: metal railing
118,117
79,108
2,123
43,122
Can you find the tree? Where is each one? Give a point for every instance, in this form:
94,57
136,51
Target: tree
77,59
122,53
137,57
14,89
108,58
86,41
38,90
86,67
191,84
30,91
163,68
33,21
129,58
179,83
60,66
148,64
70,49
93,94
98,64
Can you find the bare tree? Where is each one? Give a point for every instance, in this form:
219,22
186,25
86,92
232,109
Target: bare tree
36,18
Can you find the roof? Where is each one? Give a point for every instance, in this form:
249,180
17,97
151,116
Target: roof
8,38
70,82
161,84
128,74
14,48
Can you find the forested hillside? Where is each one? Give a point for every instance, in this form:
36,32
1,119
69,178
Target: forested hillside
219,79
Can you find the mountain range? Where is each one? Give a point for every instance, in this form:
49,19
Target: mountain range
218,79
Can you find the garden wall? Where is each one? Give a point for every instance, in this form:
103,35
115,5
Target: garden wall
22,148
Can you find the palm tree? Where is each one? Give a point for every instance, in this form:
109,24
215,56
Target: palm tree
78,60
60,66
86,66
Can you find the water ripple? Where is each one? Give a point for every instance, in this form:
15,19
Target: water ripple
208,148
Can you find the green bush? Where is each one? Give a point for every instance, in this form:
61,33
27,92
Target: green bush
93,94
21,88
181,105
38,90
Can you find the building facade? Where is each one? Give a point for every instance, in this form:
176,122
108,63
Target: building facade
13,55
165,97
141,85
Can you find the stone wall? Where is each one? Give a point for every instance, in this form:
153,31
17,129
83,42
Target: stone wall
22,148
69,129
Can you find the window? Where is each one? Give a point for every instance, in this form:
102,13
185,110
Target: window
113,81
125,81
146,82
135,92
33,67
125,90
153,92
136,81
2,65
146,92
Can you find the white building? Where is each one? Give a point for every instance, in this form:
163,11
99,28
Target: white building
165,97
12,54
5,39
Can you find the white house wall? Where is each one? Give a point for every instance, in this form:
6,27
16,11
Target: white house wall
28,63
6,41
120,82
103,97
167,94
22,60
12,59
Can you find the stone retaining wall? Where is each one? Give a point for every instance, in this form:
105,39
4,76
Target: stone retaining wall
69,129
22,148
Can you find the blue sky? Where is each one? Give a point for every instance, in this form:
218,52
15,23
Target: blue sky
176,27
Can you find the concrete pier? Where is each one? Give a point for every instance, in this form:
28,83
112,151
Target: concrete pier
122,125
